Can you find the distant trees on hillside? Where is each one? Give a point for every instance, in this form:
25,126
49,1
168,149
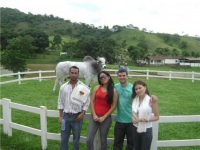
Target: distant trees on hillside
97,46
16,53
39,39
57,41
18,27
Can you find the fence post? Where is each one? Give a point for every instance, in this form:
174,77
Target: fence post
155,127
43,125
170,75
192,76
7,117
19,77
147,74
40,75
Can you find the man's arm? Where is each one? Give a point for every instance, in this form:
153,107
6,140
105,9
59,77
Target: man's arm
154,99
60,115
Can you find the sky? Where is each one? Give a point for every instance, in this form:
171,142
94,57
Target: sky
158,16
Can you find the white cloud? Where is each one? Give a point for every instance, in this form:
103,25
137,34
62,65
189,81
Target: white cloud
165,16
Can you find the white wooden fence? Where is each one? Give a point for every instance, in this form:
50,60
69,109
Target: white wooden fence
8,125
132,73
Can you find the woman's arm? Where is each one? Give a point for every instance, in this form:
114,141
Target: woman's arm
134,118
95,117
155,110
154,105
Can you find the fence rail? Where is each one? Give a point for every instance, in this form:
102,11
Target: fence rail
8,125
39,75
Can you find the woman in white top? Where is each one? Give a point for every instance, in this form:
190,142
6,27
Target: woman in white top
142,108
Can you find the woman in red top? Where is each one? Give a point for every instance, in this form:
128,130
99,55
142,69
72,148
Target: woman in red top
103,103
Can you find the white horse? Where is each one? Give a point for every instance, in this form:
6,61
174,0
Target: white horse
88,69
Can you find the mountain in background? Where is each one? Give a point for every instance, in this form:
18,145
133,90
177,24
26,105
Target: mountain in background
15,21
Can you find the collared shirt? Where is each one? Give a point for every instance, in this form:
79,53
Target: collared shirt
67,104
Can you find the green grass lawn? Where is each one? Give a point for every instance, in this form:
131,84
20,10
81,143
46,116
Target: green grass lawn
176,97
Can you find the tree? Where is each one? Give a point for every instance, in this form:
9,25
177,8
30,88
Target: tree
138,52
185,53
183,45
88,45
55,44
5,36
40,39
97,46
163,51
14,57
71,48
107,48
195,54
144,29
175,52
124,44
134,53
57,39
122,56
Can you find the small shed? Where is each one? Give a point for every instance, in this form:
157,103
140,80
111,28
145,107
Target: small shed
190,61
163,60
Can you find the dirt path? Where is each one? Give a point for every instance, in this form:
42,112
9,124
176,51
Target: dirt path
4,71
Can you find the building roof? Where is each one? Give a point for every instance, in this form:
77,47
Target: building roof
163,57
191,58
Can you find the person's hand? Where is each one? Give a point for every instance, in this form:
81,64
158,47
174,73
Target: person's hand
153,99
60,120
79,117
143,120
101,119
135,121
95,118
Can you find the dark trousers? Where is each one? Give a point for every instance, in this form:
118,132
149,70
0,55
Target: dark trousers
121,130
142,141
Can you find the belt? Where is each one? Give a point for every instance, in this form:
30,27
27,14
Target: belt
71,113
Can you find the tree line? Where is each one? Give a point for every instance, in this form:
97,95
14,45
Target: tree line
19,43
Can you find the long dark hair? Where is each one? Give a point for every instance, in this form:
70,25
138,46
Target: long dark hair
110,87
140,82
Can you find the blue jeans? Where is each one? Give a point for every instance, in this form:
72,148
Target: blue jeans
103,128
142,141
75,126
120,131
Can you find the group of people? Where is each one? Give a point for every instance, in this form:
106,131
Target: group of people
134,106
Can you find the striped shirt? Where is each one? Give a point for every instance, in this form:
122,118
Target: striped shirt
67,104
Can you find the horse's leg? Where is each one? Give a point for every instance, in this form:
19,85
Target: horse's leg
55,84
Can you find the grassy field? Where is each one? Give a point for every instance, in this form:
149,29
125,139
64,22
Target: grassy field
176,97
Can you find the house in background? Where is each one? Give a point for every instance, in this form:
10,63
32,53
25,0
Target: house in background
191,62
163,60
170,60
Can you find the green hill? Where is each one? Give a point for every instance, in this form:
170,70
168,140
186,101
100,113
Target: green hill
15,21
154,41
